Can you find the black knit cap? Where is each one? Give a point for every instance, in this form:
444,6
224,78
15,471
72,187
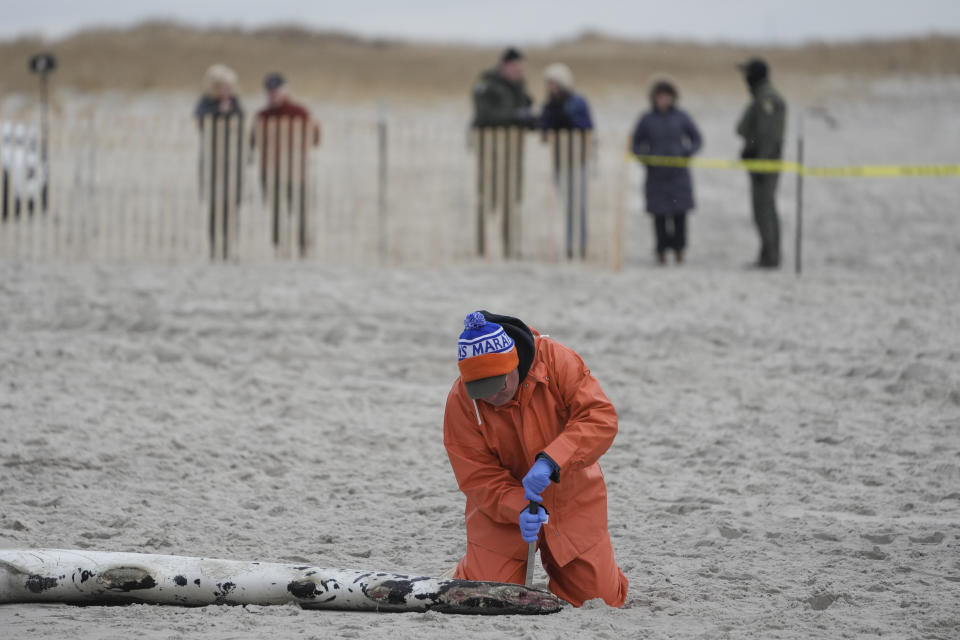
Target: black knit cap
273,81
754,70
510,54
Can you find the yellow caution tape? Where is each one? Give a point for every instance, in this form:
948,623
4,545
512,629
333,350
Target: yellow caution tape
884,171
780,166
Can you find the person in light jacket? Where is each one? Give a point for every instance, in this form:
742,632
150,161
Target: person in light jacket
220,110
568,111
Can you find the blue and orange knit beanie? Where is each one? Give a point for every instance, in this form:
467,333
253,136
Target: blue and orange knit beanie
485,354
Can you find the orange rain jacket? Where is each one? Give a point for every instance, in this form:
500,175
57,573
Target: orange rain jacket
560,410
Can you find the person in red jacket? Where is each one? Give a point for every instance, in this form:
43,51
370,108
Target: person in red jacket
278,177
526,420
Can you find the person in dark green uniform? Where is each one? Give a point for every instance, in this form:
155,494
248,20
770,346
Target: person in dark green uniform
501,112
761,127
500,96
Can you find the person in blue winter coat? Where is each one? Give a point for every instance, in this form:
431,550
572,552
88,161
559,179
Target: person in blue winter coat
568,111
666,130
564,109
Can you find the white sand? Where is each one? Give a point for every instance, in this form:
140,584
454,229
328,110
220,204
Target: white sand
788,463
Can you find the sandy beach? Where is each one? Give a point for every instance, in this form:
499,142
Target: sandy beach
787,466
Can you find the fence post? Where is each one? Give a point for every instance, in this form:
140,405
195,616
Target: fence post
798,244
220,193
620,213
580,203
272,189
44,135
565,171
234,165
209,187
6,211
511,220
382,247
486,178
298,152
500,195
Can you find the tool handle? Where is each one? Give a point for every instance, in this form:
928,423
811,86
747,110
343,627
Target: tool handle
533,507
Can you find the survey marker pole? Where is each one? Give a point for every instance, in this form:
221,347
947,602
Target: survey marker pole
382,246
798,232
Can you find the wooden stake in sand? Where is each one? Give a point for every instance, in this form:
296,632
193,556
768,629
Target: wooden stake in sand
97,577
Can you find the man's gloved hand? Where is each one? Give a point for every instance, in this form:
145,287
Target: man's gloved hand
537,479
530,523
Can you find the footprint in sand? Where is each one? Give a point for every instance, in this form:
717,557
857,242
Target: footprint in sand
873,554
880,538
821,601
934,538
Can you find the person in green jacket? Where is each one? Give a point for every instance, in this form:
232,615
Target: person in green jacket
501,111
500,96
761,127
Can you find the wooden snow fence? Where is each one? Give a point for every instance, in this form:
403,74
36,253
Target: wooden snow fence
376,191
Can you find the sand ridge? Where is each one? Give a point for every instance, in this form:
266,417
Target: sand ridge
163,56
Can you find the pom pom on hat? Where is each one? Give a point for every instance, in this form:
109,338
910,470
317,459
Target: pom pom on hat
474,320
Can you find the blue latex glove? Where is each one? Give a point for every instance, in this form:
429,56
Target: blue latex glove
530,523
537,479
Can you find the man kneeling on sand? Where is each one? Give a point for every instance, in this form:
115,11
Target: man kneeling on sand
526,420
